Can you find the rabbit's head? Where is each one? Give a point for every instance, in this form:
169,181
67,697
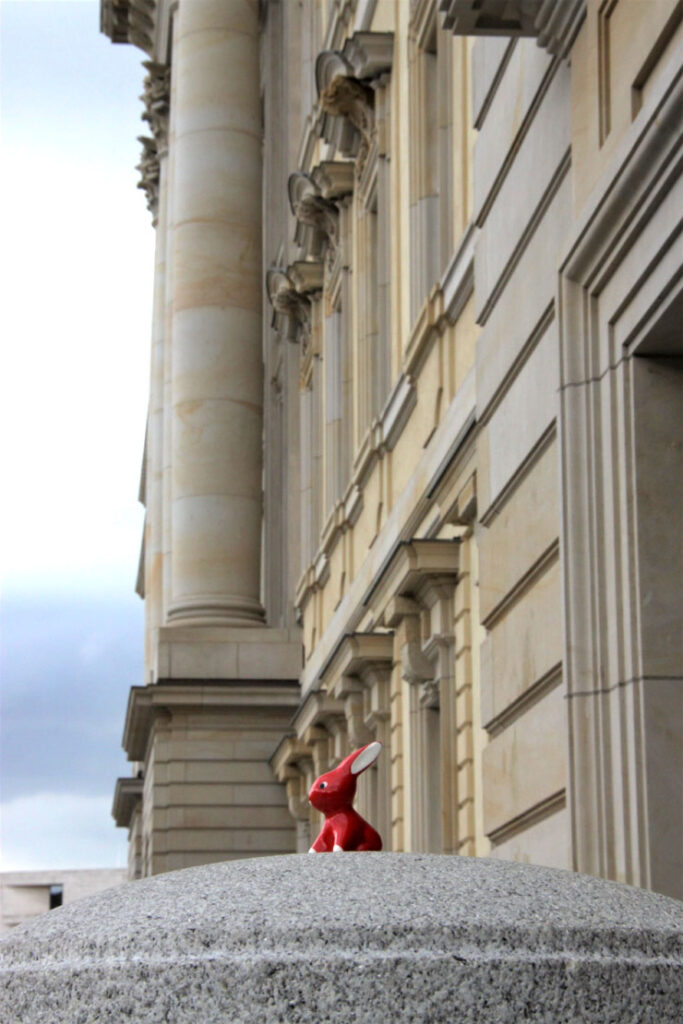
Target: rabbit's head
336,789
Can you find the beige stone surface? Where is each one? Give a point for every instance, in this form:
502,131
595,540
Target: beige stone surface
525,412
526,764
547,842
463,370
526,526
524,645
615,57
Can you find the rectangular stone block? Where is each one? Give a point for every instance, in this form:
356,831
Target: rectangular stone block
523,646
225,795
527,66
225,772
546,842
487,55
527,181
524,528
247,818
525,412
526,764
520,308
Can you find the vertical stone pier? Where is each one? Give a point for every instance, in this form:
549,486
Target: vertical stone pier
221,679
216,326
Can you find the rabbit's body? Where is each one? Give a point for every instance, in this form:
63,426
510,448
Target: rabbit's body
333,794
346,830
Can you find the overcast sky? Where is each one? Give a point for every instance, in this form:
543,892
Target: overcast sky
76,246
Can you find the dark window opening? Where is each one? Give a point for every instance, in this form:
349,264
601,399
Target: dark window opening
56,896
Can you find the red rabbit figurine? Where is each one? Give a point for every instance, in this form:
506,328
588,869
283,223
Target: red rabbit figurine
333,794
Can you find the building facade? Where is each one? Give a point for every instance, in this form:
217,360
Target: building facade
25,894
413,459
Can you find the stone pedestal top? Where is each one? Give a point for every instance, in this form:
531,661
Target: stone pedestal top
351,938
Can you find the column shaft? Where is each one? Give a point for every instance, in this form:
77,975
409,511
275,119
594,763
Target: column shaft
216,342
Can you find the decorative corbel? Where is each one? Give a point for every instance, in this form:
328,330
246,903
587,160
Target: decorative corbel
350,99
156,99
149,172
314,212
343,80
287,301
334,178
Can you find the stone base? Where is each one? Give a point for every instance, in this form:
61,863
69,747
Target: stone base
353,937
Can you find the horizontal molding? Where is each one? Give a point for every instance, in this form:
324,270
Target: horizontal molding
622,684
519,707
551,805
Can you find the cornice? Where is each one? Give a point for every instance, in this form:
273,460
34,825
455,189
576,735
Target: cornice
317,709
554,23
409,565
127,796
356,652
289,753
147,704
143,23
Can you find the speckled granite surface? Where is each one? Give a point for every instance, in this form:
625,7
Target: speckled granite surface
351,937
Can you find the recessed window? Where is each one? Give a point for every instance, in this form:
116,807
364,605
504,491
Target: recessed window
56,896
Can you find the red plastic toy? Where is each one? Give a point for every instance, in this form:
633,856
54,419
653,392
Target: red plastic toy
333,794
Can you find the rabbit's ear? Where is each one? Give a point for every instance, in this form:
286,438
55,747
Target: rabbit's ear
366,757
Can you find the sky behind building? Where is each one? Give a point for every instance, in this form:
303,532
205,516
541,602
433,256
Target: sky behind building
76,271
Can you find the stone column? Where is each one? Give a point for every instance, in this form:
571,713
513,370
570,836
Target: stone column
216,341
155,436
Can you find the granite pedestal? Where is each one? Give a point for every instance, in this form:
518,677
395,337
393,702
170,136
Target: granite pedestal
349,938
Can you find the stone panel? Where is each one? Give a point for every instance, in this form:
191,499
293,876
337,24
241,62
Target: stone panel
525,412
526,183
487,57
546,842
524,645
526,764
521,532
520,308
523,75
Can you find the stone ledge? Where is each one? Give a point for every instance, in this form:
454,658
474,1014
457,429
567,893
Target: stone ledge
362,937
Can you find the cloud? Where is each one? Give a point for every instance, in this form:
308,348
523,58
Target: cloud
67,662
60,830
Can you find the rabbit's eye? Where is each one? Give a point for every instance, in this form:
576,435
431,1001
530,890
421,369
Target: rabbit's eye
323,785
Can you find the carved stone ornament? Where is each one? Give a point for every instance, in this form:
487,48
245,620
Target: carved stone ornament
343,82
130,21
287,301
156,98
315,212
149,172
349,98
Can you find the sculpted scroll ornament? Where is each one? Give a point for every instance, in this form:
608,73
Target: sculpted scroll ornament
346,97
